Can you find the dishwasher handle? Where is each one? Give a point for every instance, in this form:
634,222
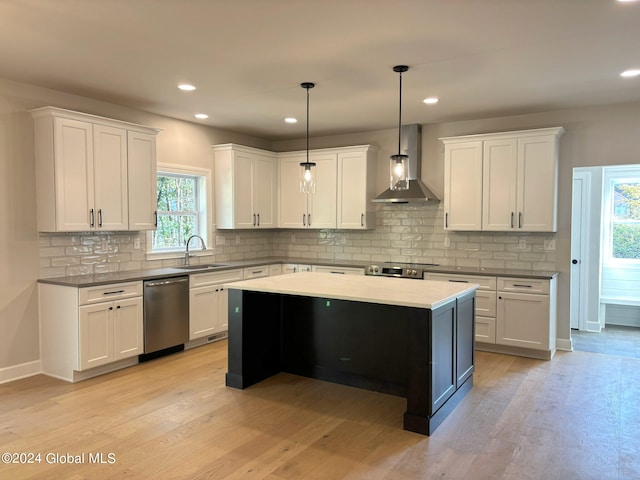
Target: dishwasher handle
160,283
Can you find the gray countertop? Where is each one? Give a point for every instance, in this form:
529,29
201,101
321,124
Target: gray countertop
167,272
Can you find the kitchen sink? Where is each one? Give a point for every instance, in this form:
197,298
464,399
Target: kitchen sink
204,266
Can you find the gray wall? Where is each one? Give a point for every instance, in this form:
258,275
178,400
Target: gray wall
605,135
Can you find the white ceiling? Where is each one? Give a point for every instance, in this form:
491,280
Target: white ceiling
482,58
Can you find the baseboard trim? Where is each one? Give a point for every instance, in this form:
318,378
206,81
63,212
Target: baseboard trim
564,344
23,370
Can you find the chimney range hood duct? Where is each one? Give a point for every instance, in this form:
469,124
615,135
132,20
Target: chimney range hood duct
418,192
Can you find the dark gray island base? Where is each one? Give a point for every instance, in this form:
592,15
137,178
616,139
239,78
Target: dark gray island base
425,355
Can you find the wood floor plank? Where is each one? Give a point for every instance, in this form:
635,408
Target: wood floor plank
575,417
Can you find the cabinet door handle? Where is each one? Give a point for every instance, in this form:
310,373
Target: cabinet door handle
113,292
519,219
446,220
304,219
155,222
362,219
512,219
110,308
309,215
254,219
100,218
91,218
118,306
258,219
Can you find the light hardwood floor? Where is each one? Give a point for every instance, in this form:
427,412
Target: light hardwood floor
575,417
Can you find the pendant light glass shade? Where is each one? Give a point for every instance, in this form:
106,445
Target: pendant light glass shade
307,168
399,165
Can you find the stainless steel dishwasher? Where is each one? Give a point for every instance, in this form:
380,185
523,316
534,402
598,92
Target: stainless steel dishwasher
166,316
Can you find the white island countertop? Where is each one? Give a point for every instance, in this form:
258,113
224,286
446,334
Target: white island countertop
385,290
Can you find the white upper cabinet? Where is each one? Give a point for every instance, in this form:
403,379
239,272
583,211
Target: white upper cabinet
313,210
463,185
82,172
143,183
244,187
356,188
503,181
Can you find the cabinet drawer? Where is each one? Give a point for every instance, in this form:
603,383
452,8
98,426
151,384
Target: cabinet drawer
275,269
485,329
256,272
104,293
524,285
338,270
214,278
484,282
485,303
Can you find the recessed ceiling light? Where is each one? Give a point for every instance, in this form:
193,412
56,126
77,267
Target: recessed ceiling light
291,120
431,100
626,1
201,116
633,72
186,87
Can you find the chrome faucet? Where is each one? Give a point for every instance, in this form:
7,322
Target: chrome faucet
186,251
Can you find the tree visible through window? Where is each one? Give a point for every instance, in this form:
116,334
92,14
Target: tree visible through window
178,212
625,219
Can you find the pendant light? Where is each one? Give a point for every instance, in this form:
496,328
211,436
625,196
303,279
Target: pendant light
399,167
307,168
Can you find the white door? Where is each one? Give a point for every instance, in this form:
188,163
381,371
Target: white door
352,190
499,163
522,320
322,211
264,191
243,213
73,151
222,309
143,181
578,304
202,311
110,178
463,186
96,335
292,204
128,333
537,184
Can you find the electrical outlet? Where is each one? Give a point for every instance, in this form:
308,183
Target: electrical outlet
550,244
136,243
447,242
522,243
293,239
219,240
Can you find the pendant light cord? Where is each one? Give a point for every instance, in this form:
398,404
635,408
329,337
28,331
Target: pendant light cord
307,125
400,114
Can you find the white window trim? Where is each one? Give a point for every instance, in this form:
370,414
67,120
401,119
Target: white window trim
206,222
610,174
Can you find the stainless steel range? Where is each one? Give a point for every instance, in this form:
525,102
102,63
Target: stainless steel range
399,269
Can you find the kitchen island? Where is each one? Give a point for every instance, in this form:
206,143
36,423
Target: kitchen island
410,338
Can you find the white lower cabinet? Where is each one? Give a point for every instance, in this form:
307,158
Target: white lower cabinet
513,315
208,302
85,328
526,313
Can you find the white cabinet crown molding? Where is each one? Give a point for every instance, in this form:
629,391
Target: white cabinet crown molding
558,131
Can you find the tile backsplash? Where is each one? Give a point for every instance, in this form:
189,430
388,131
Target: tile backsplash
407,233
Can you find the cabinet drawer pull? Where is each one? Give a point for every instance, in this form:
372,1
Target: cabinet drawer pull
459,281
522,285
340,273
113,293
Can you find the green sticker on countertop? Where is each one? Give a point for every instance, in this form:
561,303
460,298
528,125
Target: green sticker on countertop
328,303
237,309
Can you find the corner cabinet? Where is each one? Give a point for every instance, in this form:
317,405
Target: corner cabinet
302,210
245,188
93,173
345,185
502,181
89,331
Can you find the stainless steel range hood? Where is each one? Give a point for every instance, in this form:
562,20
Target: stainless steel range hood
418,192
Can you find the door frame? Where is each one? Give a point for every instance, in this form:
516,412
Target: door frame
580,215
